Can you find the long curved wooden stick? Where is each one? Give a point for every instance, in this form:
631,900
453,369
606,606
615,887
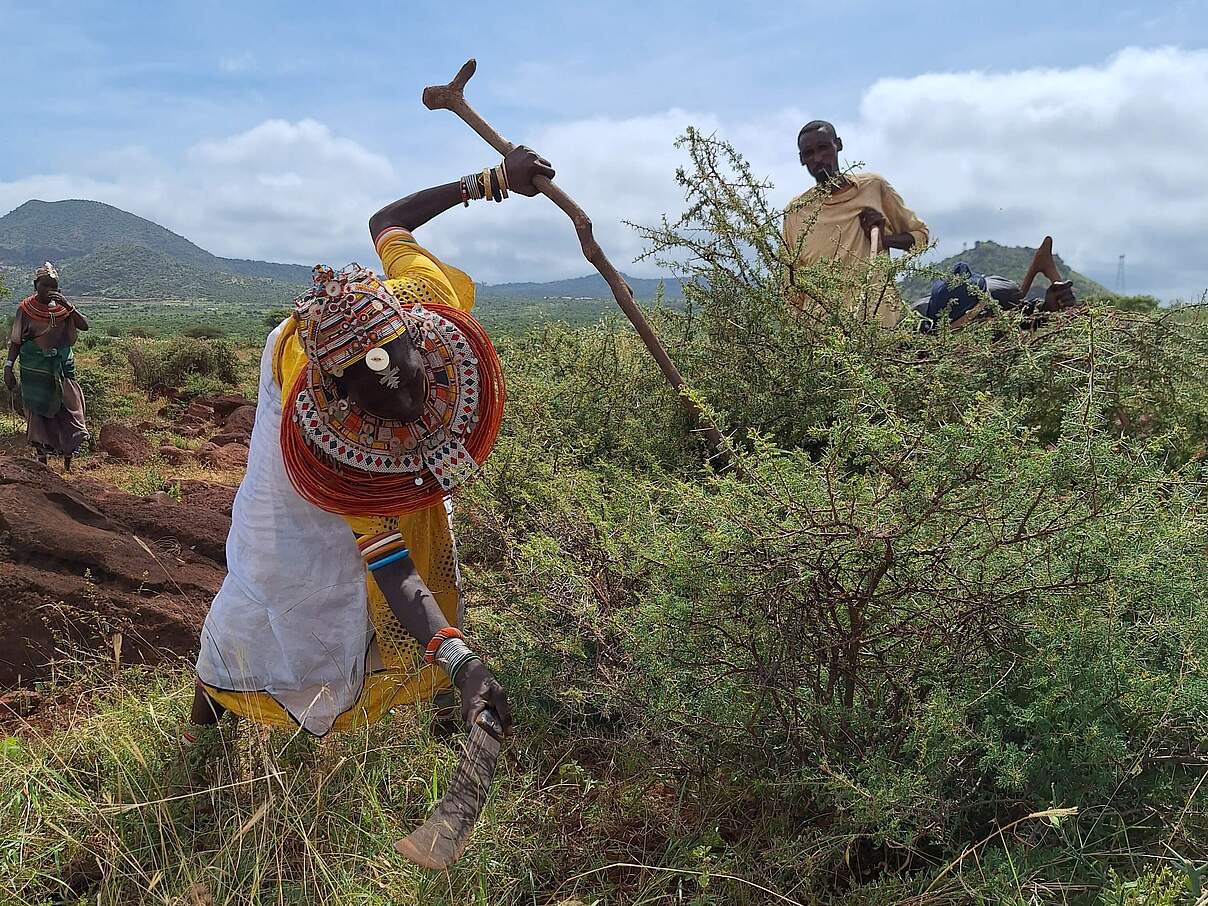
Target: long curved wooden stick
452,97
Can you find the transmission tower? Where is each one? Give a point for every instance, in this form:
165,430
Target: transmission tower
1120,275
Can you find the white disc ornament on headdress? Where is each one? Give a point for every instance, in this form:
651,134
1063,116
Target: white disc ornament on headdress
377,359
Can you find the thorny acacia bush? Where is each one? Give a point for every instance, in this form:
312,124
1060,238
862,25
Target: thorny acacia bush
951,580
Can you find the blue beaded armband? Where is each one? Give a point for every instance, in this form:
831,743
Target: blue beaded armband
386,561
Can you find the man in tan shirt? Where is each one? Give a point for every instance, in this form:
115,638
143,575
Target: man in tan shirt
834,220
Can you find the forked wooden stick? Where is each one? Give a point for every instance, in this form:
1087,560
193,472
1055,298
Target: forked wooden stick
1042,263
452,97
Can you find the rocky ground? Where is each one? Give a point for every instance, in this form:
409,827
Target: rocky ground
225,420
92,571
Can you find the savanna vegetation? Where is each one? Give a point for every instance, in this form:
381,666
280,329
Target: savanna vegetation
935,634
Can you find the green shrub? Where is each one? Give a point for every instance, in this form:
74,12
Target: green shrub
951,581
1155,887
90,339
173,362
275,316
97,385
205,332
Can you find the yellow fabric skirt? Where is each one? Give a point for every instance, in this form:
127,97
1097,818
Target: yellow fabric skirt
405,678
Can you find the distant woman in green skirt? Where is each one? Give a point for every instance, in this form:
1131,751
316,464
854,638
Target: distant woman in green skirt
44,331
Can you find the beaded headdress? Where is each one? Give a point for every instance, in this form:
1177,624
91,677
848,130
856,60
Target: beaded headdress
341,320
46,270
346,314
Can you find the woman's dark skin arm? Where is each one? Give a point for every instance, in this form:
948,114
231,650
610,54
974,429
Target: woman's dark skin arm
416,608
415,210
10,377
409,598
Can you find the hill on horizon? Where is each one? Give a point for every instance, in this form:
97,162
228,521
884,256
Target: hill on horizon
110,253
38,231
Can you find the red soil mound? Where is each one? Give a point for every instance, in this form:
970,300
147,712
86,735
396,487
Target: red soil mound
74,571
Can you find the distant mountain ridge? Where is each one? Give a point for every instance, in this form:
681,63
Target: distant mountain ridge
60,231
110,253
105,252
592,286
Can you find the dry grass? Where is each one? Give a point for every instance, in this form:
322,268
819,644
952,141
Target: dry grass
145,480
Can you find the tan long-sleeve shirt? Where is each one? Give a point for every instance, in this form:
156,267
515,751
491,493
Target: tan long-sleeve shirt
836,233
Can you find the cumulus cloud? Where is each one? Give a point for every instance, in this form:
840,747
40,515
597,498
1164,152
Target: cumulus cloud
1108,159
278,191
1105,158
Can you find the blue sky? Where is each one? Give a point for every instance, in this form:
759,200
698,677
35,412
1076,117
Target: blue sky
272,130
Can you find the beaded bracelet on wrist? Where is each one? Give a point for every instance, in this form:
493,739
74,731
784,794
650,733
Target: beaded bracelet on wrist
442,635
375,543
491,183
452,655
386,561
383,548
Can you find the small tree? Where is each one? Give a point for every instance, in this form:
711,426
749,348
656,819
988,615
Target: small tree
205,332
275,316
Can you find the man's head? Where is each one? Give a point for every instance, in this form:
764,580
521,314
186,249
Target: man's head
818,146
395,387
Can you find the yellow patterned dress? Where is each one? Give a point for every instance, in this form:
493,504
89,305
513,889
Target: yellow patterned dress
261,623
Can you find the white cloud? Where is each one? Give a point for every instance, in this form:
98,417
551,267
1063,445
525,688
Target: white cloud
279,191
1108,159
1105,158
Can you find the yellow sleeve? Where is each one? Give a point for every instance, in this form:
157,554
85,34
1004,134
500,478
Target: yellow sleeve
364,526
901,219
414,274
